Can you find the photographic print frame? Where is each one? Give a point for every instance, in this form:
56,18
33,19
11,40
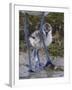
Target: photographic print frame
14,44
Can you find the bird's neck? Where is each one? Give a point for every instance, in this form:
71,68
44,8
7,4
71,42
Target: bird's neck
49,33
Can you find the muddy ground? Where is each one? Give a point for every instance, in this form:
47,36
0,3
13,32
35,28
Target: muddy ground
42,73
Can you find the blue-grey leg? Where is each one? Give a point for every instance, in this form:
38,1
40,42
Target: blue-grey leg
42,38
26,31
37,59
40,64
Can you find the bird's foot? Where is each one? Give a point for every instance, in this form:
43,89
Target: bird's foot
49,64
31,70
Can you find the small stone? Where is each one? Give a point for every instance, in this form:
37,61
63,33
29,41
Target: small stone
55,67
23,72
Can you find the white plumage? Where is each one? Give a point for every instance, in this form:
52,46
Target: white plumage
35,40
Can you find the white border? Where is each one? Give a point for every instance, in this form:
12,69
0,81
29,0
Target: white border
15,47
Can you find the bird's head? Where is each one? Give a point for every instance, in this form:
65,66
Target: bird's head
47,28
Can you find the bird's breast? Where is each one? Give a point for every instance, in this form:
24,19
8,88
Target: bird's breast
38,43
